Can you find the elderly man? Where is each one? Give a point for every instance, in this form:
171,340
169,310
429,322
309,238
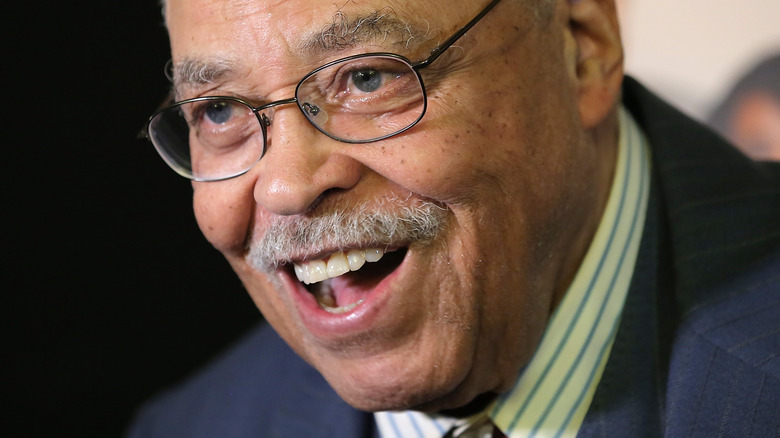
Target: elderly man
463,222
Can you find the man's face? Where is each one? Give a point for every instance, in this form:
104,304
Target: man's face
498,161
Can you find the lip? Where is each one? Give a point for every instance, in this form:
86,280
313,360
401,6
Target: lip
330,327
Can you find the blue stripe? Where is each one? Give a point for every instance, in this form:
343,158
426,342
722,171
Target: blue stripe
395,426
584,390
439,427
416,426
615,324
572,323
634,223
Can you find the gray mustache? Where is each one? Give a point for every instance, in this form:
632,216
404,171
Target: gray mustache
393,222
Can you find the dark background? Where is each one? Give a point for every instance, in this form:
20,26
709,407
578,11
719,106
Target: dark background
110,291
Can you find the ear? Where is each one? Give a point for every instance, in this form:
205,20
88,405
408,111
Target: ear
599,57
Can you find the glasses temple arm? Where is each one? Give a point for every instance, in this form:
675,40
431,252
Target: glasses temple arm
438,50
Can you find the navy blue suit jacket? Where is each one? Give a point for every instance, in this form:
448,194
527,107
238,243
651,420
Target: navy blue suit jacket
697,353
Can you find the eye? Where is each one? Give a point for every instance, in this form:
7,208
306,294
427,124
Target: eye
364,86
218,112
218,124
367,80
358,79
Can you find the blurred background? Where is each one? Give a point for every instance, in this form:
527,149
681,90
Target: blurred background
717,60
111,293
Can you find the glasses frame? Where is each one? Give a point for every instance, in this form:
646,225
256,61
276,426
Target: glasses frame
265,122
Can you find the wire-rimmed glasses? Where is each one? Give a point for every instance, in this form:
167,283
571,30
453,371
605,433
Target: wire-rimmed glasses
358,99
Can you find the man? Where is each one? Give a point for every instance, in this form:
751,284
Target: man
465,235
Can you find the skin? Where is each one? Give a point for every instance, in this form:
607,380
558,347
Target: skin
521,160
755,126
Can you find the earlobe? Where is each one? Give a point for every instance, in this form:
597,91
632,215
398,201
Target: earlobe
599,57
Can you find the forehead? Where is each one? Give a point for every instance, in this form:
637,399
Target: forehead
301,19
219,35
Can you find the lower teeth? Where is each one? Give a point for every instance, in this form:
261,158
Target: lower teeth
327,301
344,309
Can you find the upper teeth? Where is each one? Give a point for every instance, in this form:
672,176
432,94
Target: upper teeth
338,263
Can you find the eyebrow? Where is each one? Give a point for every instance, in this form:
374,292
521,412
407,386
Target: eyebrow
342,33
197,72
381,26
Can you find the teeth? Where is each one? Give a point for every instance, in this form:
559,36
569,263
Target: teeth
337,264
356,259
373,255
333,309
318,271
326,301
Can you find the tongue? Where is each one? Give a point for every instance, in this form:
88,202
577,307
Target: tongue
355,286
346,290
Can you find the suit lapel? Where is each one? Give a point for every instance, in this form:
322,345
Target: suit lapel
711,192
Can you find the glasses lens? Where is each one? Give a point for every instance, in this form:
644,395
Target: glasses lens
363,99
208,139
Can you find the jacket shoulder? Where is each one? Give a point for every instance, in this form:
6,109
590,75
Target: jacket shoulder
259,387
725,364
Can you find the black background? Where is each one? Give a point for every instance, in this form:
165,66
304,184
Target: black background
110,291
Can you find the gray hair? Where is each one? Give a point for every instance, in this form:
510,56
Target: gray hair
393,222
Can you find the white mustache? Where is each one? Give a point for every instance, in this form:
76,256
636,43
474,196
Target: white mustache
393,222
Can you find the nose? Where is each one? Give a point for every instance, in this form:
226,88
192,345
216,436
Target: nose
300,164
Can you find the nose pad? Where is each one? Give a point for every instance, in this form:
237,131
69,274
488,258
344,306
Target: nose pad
300,164
315,114
265,121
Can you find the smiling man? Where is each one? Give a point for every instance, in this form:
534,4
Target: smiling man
460,216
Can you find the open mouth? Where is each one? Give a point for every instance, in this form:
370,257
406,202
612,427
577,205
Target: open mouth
343,280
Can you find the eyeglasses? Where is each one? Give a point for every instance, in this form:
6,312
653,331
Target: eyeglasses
358,99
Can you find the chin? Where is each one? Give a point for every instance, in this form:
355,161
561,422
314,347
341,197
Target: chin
413,376
375,388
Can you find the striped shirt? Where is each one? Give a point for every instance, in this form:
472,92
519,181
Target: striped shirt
553,393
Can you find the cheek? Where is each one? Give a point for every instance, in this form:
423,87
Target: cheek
435,161
475,146
223,215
